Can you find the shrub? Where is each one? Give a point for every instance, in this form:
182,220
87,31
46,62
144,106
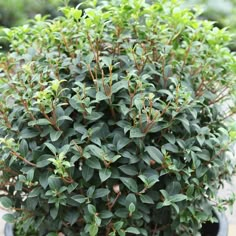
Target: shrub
111,121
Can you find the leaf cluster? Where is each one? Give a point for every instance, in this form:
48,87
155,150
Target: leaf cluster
112,122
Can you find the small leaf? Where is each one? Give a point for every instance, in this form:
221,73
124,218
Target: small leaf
24,149
171,148
107,60
96,151
130,184
87,172
71,216
101,192
93,163
54,182
128,169
9,218
54,212
154,153
104,174
51,148
91,209
93,230
177,198
131,207
6,202
62,118
122,213
118,225
35,192
123,84
28,133
39,122
100,96
105,214
136,133
79,198
132,230
122,143
52,234
146,199
55,135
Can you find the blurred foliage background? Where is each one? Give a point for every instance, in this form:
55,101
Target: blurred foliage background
222,12
17,12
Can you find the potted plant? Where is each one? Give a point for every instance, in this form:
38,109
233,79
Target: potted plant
111,121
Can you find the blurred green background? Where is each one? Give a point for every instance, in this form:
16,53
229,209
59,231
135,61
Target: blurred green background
222,12
17,12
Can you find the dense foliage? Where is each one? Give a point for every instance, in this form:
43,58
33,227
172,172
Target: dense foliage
222,12
111,123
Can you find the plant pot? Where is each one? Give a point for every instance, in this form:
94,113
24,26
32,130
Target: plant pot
219,228
9,229
208,229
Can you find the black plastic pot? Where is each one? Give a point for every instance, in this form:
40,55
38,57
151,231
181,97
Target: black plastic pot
208,229
216,229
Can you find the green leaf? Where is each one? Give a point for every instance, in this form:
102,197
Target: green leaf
51,148
90,191
101,192
52,234
72,187
94,163
71,216
107,60
30,174
94,116
96,151
76,13
39,122
132,207
6,202
104,174
24,149
173,188
35,192
136,133
87,173
62,118
170,138
54,182
152,180
177,198
122,143
9,218
100,96
146,199
28,133
171,148
130,184
55,135
79,198
154,153
105,214
91,209
43,161
123,84
175,207
132,230
122,213
128,169
54,212
93,230
118,225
